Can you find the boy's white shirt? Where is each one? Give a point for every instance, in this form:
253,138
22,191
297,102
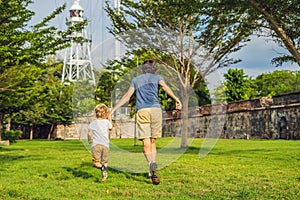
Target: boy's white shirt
100,129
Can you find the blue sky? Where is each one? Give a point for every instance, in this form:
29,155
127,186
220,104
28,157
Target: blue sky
256,55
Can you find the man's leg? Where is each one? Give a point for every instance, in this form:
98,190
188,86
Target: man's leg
147,149
149,145
153,149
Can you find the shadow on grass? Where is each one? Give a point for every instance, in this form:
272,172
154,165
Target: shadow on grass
79,172
239,151
216,151
8,149
8,158
140,177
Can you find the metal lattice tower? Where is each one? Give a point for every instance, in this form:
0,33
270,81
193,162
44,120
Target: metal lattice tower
78,62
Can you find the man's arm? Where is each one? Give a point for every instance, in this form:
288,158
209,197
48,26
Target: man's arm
110,120
168,90
123,100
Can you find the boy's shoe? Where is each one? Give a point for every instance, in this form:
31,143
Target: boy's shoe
102,168
104,173
154,176
97,165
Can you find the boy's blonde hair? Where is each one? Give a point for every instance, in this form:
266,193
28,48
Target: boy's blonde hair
102,111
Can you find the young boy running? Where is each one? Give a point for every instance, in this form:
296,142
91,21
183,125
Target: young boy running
98,136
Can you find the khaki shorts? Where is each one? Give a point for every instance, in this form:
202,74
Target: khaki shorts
100,154
149,121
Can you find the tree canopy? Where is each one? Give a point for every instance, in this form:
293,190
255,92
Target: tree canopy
195,37
24,51
236,85
276,20
239,86
192,37
277,82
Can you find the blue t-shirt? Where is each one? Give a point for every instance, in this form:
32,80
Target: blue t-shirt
146,87
100,129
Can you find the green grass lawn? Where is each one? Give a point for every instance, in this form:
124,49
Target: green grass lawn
234,169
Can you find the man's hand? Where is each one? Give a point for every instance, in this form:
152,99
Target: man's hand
178,105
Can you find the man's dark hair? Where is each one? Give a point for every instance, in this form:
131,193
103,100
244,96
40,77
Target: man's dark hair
149,66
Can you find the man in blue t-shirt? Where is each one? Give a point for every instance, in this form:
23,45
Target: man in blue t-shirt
149,113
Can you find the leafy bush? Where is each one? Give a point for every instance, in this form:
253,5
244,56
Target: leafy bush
11,135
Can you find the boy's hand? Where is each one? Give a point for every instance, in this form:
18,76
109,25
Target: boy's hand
90,139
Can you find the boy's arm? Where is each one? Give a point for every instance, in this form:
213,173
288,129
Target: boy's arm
90,137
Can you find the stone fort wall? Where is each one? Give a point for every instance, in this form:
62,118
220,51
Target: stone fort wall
266,118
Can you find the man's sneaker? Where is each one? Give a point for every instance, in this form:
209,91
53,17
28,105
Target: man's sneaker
155,179
154,176
153,167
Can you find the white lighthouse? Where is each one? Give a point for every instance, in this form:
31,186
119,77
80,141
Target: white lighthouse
78,62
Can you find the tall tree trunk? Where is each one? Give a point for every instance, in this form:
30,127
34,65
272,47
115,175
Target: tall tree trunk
51,130
1,124
31,133
8,123
185,117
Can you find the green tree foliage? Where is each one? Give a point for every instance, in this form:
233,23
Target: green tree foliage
198,34
297,83
23,52
237,85
282,19
26,45
113,72
18,96
47,102
11,135
57,99
276,19
115,78
219,95
83,99
202,92
277,82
